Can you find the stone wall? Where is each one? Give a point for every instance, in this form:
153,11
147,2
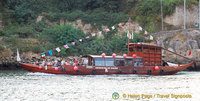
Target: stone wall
180,41
177,18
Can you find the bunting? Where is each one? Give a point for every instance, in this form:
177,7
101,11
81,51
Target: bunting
140,28
130,36
58,49
107,30
145,32
66,46
42,55
120,25
87,37
151,37
189,53
93,34
73,43
50,53
157,42
113,27
100,33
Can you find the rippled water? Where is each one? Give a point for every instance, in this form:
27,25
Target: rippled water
27,86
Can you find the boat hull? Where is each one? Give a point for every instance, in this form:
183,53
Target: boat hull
94,70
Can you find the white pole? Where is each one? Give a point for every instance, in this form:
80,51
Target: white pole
161,14
199,14
184,16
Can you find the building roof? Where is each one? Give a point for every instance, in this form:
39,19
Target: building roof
99,56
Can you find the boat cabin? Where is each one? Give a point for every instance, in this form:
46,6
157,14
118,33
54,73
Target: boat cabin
150,53
118,61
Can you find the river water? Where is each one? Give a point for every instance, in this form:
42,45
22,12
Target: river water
27,86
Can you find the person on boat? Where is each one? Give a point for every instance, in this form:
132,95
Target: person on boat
136,64
58,64
63,62
43,63
55,62
49,63
67,63
36,63
84,61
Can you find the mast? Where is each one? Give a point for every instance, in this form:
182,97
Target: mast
129,21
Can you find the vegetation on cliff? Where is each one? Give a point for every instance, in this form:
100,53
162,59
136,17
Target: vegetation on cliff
21,29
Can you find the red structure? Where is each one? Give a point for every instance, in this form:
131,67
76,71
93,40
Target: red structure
150,53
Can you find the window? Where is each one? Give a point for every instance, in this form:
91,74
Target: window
131,49
139,49
138,62
119,62
128,62
158,50
99,62
109,61
85,61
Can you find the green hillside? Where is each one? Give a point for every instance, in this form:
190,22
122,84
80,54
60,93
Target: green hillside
21,29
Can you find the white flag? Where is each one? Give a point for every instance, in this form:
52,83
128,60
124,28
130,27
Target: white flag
113,27
18,57
140,28
107,30
146,32
58,49
128,35
93,34
132,35
100,33
151,37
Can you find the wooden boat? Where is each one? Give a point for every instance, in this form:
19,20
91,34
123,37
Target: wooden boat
142,59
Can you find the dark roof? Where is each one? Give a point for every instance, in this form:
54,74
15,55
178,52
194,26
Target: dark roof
99,56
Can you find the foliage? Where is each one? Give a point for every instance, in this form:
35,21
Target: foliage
2,33
1,14
99,17
22,31
23,15
1,47
19,17
62,34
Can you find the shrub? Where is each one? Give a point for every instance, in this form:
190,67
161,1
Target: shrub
2,33
37,48
1,47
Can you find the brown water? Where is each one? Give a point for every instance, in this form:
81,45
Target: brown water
27,86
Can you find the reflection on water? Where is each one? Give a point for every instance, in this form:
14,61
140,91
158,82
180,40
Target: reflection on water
27,86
